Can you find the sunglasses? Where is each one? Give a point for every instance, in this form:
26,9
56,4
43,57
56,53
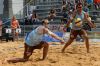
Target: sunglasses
46,23
79,7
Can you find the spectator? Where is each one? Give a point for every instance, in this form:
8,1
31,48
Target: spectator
90,2
0,27
79,1
14,26
70,5
33,19
52,14
86,9
76,1
64,5
26,21
64,16
97,4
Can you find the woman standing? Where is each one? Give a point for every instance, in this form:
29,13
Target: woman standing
14,26
0,27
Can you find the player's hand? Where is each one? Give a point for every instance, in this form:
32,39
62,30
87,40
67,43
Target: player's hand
62,42
94,26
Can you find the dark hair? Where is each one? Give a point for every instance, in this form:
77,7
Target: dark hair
78,4
43,22
64,2
52,10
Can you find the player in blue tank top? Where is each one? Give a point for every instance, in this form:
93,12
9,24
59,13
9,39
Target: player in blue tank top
77,22
34,41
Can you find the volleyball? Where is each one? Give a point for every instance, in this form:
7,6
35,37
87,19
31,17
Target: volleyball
78,22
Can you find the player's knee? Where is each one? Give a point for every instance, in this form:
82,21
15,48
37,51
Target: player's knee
46,44
86,37
28,53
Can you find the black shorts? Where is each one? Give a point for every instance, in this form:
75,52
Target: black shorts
74,33
29,49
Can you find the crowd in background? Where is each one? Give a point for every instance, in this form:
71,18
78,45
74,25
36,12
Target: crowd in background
67,9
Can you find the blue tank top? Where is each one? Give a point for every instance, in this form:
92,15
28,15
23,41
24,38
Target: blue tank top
33,38
81,16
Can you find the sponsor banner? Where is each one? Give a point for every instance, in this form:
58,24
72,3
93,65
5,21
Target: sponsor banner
51,39
53,27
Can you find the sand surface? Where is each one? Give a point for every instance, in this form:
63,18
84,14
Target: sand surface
74,55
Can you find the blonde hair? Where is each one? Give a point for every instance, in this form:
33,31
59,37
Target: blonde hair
13,18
